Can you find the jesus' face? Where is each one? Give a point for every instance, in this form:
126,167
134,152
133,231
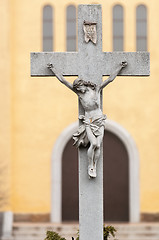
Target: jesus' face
82,88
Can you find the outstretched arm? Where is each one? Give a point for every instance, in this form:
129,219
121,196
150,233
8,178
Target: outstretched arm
113,75
59,76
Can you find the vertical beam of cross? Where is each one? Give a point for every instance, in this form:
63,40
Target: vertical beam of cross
90,190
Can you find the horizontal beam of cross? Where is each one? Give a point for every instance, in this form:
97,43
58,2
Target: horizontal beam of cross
68,63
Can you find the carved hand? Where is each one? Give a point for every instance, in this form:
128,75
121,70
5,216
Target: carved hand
124,64
50,66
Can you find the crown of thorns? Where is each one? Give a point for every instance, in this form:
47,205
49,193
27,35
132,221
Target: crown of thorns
79,82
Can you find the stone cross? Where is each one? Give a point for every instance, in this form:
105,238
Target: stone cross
90,64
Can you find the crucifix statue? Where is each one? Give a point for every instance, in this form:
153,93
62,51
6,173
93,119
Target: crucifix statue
92,130
90,64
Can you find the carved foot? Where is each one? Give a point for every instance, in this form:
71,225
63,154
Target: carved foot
92,172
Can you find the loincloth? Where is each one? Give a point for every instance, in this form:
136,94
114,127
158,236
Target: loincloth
80,137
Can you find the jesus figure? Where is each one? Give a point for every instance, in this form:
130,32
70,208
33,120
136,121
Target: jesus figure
91,131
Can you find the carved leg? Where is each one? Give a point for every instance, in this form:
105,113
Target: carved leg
91,152
97,150
96,156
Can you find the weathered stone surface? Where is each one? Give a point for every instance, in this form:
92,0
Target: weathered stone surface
66,63
90,190
69,63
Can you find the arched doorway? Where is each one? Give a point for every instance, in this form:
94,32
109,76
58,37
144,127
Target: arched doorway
116,180
133,166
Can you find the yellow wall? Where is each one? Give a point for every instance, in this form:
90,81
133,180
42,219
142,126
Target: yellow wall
5,106
41,107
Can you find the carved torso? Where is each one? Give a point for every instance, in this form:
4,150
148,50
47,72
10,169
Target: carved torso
90,100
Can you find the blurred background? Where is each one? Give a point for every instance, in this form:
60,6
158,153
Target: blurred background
38,165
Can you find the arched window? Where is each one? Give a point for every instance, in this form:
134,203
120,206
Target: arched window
71,28
141,28
118,28
47,28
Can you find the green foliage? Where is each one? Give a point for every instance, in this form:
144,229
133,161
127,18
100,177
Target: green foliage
50,235
77,236
107,231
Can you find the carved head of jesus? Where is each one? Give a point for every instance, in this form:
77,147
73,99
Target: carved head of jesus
81,85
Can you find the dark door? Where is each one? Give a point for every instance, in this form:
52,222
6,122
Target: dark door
70,183
116,183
